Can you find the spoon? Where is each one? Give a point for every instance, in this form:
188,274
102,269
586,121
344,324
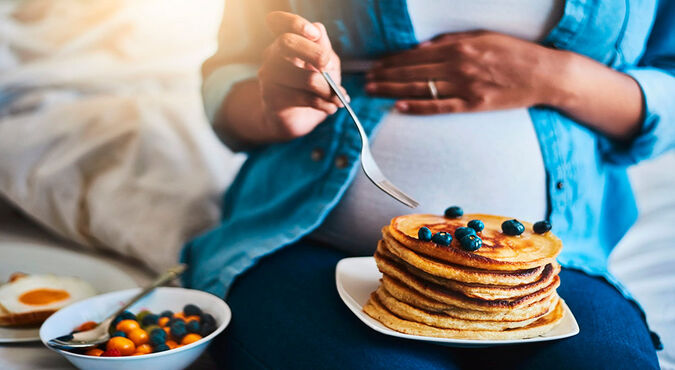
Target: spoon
101,332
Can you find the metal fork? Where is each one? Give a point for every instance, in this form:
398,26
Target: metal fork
368,164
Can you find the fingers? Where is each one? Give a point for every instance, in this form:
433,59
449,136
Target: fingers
452,105
287,74
279,97
412,89
291,46
422,72
283,22
429,53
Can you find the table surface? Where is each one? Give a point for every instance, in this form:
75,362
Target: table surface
16,228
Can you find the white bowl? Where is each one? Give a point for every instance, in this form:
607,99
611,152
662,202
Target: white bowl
99,307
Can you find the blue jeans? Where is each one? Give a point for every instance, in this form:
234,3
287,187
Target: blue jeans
287,315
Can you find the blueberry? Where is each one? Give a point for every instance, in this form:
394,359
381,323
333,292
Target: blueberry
150,319
512,227
119,333
166,313
207,319
206,329
158,332
424,234
464,231
541,227
193,326
160,348
175,319
141,315
477,225
454,212
471,242
191,310
442,238
157,339
178,329
126,315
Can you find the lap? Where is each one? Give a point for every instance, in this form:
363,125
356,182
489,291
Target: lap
287,315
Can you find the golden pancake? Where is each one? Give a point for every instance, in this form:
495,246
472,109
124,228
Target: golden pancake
408,312
376,310
456,272
411,297
445,295
483,291
499,251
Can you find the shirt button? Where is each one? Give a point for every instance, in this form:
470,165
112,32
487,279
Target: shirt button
317,154
560,185
341,161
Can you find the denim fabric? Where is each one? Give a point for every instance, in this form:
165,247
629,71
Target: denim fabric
281,194
286,314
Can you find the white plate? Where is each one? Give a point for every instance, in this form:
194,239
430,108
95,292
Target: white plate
40,259
357,277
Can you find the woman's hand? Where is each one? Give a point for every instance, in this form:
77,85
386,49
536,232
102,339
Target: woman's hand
480,71
473,71
295,96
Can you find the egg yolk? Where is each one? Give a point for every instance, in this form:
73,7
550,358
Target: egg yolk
43,296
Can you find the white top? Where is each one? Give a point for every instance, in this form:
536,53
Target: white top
487,162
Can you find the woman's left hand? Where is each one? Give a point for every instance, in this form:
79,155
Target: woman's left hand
473,71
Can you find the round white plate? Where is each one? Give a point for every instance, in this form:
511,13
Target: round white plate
38,259
357,277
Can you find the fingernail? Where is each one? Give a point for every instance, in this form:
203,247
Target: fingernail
370,87
349,98
423,44
402,106
311,31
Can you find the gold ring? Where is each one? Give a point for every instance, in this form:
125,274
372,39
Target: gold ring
432,89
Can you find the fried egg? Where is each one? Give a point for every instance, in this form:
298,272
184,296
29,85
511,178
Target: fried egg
33,293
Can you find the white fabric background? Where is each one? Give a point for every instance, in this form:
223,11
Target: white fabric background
102,133
103,138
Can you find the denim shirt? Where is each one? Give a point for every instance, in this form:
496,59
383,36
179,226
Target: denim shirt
283,192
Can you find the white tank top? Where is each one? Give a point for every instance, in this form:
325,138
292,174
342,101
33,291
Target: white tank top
487,162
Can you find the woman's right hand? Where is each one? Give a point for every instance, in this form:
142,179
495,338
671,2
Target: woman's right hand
295,96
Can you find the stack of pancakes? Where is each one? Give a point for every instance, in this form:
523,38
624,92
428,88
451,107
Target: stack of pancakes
504,290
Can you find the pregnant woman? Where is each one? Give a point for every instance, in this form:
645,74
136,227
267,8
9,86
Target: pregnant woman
526,108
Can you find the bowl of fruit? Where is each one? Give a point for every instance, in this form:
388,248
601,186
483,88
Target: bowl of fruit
167,329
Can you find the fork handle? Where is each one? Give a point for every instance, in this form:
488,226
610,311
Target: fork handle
167,276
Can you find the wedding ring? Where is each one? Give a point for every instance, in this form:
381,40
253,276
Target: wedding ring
432,89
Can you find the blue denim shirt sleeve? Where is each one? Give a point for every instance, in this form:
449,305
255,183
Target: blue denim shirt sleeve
656,76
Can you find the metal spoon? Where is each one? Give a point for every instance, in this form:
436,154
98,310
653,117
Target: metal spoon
101,333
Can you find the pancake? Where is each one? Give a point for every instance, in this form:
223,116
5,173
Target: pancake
408,312
483,291
459,273
451,297
409,296
499,251
376,310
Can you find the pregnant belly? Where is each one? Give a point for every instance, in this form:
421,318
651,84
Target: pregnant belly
487,162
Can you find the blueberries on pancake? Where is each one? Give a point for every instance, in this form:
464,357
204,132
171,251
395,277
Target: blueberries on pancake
541,227
424,234
464,231
454,212
512,227
477,225
471,242
442,238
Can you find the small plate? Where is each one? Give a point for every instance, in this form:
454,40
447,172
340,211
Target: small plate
357,277
39,259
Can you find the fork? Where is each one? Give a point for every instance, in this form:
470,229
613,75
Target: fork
370,167
101,332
